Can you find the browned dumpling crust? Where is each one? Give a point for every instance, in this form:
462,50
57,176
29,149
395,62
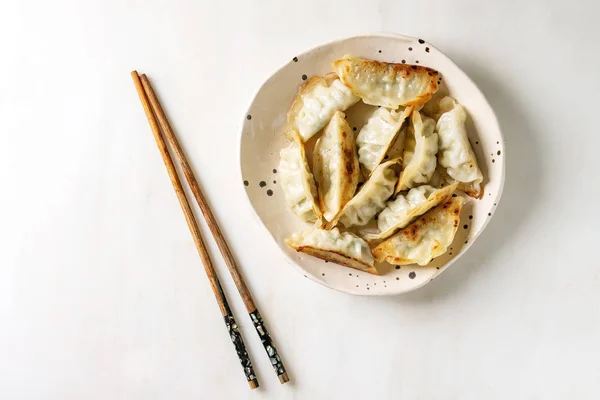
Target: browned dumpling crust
386,84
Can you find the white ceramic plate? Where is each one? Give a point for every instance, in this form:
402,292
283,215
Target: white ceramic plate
261,140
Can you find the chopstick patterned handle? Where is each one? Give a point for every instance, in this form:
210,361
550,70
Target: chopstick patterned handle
265,339
240,349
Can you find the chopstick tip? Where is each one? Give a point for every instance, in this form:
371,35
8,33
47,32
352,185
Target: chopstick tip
284,378
253,384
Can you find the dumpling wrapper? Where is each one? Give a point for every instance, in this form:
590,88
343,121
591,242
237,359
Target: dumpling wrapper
370,199
315,103
406,207
386,84
456,153
298,183
378,134
440,178
331,245
425,239
420,151
335,166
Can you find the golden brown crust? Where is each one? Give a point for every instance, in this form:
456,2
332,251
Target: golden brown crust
338,258
404,70
348,168
330,78
449,211
351,167
390,71
473,189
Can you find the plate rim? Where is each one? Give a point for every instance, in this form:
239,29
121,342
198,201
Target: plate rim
287,258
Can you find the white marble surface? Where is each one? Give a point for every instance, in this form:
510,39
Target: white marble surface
102,294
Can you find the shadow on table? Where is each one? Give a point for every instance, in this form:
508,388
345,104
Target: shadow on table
521,190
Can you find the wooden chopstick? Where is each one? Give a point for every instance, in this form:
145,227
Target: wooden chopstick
255,316
232,327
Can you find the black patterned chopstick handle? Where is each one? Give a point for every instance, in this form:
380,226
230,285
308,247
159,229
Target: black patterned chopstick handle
240,349
265,339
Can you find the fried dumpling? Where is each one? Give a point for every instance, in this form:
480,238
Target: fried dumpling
335,165
386,84
331,245
370,199
378,134
406,207
426,238
298,183
315,103
420,148
456,153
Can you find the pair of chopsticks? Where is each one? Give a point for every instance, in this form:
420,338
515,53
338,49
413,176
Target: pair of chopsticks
154,112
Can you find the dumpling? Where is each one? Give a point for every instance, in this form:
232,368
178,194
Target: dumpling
378,134
440,178
426,238
341,248
335,166
298,183
419,152
406,207
315,103
456,153
385,84
370,199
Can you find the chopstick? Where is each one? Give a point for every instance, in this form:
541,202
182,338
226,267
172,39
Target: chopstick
238,279
232,327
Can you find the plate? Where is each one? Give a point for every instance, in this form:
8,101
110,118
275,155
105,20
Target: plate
261,140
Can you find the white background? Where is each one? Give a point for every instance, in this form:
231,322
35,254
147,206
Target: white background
102,294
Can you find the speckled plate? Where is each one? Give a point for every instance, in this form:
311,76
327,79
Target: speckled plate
261,140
